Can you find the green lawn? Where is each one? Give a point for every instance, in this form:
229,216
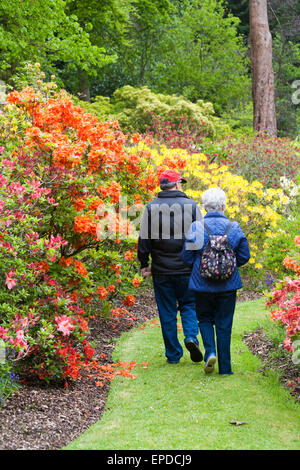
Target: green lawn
179,407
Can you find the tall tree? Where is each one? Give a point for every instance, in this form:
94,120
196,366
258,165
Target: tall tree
106,22
285,27
138,46
240,8
202,56
150,20
41,31
263,94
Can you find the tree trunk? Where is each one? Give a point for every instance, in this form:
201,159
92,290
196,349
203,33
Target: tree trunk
263,93
84,86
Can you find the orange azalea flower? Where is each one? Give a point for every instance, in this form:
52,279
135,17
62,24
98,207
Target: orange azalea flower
102,293
136,138
129,256
114,191
80,268
79,204
84,224
129,301
111,288
136,282
74,296
44,266
297,240
116,268
290,263
175,162
95,204
87,299
104,190
66,261
149,141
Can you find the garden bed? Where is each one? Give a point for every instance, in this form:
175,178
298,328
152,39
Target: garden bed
47,417
261,346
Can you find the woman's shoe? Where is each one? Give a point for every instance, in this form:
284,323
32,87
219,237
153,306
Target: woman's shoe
210,364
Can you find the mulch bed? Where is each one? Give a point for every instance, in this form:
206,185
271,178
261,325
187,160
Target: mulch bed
48,417
260,345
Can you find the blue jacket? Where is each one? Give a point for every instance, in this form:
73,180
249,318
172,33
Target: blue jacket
217,223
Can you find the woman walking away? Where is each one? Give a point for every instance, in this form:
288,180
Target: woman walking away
215,257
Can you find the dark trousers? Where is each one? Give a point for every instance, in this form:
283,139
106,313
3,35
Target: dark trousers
172,294
215,316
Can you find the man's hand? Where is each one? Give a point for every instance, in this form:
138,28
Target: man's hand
146,271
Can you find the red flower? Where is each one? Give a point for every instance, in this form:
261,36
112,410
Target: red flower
102,293
129,256
129,301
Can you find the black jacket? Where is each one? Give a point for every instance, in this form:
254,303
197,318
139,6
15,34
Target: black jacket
165,223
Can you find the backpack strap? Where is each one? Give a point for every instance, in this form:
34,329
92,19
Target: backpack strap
207,229
227,228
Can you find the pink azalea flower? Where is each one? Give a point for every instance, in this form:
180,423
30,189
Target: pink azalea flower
20,339
64,325
10,281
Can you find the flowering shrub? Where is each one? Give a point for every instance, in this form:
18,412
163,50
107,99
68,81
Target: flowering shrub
141,110
63,254
284,300
260,157
182,132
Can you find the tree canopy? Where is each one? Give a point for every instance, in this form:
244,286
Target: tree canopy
42,31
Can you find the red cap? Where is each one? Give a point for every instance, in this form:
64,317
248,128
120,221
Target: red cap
170,176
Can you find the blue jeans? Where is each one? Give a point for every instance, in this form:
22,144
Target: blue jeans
215,315
172,294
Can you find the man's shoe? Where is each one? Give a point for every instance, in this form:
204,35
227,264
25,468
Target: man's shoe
210,364
194,350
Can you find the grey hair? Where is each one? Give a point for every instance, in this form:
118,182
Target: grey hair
214,199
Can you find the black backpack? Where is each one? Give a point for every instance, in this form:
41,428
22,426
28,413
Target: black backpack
218,260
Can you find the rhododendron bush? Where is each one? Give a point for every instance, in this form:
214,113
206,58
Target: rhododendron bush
259,157
284,300
65,249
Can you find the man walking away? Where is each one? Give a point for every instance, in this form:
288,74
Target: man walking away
165,222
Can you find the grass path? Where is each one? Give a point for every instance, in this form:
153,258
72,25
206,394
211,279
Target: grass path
179,407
